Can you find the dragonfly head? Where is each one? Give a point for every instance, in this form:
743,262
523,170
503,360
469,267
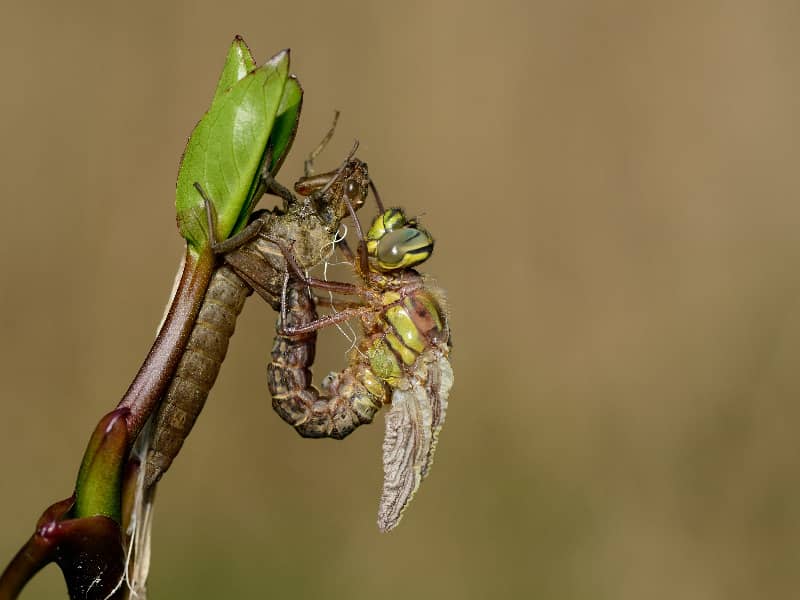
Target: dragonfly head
356,185
331,192
397,242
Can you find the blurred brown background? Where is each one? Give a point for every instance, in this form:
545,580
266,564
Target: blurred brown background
613,187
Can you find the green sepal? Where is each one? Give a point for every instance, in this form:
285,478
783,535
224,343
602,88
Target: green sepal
98,490
238,64
225,151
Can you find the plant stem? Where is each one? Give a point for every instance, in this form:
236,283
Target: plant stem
156,372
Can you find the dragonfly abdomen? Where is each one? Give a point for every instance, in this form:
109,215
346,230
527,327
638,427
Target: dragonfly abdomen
197,369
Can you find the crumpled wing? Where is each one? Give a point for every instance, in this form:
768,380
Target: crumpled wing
440,380
412,431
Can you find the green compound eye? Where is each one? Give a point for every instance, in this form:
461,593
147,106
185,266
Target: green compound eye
402,248
390,220
394,219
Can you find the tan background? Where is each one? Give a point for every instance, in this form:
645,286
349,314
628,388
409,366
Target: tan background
614,191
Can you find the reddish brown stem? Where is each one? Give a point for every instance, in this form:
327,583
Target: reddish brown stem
80,545
29,560
155,373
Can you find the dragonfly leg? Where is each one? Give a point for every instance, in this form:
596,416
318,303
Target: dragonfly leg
308,164
270,296
240,239
274,188
344,248
377,196
335,303
271,186
363,262
326,321
233,242
296,271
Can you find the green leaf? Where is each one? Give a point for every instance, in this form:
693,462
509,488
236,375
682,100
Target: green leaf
238,64
285,127
280,141
225,151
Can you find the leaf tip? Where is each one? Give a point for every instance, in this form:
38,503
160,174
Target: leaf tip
280,57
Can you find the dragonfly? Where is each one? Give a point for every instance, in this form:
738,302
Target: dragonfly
402,359
309,221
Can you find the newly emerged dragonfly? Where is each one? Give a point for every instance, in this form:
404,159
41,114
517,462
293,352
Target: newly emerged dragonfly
402,359
252,260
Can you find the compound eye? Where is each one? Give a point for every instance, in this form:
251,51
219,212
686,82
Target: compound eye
394,219
354,191
404,247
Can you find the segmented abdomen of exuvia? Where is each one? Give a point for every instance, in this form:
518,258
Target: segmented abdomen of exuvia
346,403
197,369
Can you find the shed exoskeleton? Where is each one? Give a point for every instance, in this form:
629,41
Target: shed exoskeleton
250,260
